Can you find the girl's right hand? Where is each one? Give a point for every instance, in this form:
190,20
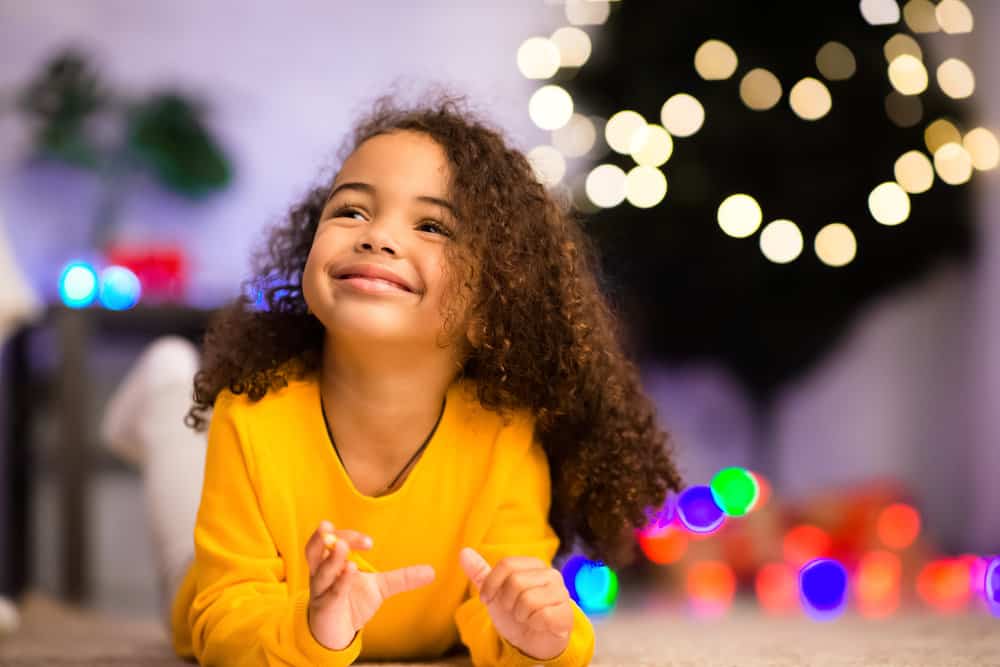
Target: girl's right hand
341,597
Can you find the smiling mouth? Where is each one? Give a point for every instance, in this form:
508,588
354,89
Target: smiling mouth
372,285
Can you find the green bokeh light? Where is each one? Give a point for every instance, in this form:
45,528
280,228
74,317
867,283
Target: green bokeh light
735,490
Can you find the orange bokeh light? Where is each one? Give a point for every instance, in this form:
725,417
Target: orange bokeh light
710,587
803,543
664,546
763,490
777,588
878,582
898,526
945,584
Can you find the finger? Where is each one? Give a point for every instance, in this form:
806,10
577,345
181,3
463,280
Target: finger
476,567
495,579
314,547
552,620
329,569
343,583
533,599
404,579
516,584
317,548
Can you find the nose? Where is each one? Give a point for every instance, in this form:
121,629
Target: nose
375,237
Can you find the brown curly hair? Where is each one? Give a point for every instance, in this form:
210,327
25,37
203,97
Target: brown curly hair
546,337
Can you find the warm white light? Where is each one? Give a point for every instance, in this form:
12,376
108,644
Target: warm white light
920,16
954,16
904,110
538,58
653,147
914,172
605,185
682,115
573,45
953,164
548,163
715,60
835,61
645,187
956,78
587,12
908,75
880,12
760,90
621,130
550,107
575,138
781,241
835,245
901,44
939,133
889,203
739,215
810,99
983,147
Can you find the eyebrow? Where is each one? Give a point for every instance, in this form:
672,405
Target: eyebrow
370,189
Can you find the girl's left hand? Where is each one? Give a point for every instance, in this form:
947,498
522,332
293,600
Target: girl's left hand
526,599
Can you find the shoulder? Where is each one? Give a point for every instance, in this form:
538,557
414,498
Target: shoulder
278,402
507,438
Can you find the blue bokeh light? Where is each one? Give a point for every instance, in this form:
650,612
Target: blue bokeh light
597,586
569,571
991,588
120,288
823,588
78,284
698,511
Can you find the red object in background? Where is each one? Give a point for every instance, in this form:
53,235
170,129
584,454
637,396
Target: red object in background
945,584
664,546
777,588
711,586
803,543
161,268
898,526
877,584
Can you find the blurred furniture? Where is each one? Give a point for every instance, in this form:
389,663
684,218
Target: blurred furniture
76,334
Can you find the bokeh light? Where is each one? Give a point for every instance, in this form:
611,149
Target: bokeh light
880,12
914,172
889,204
605,185
836,245
550,107
823,588
945,585
569,571
735,490
898,526
664,546
991,586
575,138
698,511
781,241
621,129
956,79
715,60
763,488
739,215
548,164
908,75
653,147
710,588
953,164
597,588
78,284
900,44
810,99
804,543
760,90
777,588
954,16
645,187
920,16
835,61
939,133
983,147
878,584
903,110
538,58
587,12
120,288
573,45
682,115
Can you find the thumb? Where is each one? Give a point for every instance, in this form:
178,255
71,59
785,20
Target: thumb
476,567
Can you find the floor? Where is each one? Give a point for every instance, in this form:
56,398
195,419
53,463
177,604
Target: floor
55,634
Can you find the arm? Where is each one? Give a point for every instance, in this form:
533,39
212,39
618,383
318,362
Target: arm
520,528
244,613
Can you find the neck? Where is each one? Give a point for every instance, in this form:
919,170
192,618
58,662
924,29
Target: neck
381,407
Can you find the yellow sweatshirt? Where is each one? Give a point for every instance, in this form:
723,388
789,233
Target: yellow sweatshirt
271,476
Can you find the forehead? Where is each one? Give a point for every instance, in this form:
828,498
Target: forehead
403,161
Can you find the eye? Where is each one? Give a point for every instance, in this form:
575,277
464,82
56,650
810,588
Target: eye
441,229
345,211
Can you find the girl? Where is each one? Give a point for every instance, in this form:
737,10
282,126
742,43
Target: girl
429,404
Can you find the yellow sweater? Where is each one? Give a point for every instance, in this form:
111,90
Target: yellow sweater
271,475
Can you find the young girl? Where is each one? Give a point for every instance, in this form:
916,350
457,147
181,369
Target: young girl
429,406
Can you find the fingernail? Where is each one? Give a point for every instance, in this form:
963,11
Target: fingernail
368,541
329,539
326,525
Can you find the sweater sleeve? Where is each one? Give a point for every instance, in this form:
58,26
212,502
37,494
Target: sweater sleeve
243,612
520,527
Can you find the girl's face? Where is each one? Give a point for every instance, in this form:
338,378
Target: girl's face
388,209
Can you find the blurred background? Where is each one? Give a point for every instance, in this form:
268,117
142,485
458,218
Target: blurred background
796,204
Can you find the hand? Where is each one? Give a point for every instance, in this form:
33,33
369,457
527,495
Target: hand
526,599
342,598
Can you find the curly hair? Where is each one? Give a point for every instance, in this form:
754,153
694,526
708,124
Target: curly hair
546,337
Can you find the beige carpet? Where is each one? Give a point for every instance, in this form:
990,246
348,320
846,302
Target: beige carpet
56,634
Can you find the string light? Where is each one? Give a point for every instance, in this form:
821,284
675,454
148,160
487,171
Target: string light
810,99
573,45
835,245
576,138
955,79
908,75
653,147
914,172
760,90
954,16
781,241
889,204
621,129
682,115
739,215
550,107
538,58
548,164
645,187
920,16
835,61
983,147
880,12
715,60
